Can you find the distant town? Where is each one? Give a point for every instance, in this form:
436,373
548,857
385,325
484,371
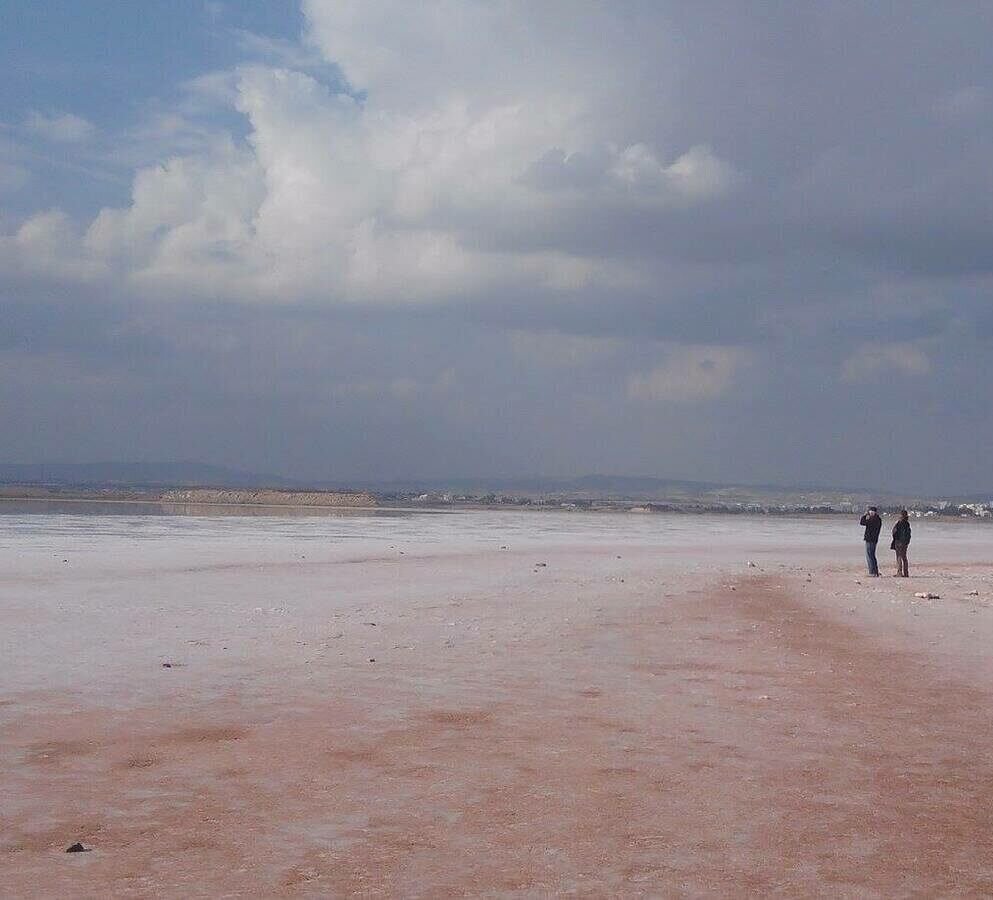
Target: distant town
593,494
942,508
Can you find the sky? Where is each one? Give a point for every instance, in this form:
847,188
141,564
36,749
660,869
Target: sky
392,239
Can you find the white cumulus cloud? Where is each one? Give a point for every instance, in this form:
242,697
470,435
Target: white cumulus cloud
473,138
48,245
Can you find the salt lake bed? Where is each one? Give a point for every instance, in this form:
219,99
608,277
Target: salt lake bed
490,703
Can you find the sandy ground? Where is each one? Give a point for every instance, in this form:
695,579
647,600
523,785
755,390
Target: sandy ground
624,720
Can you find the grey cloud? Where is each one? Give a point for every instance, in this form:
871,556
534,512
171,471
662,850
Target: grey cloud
558,170
263,390
861,219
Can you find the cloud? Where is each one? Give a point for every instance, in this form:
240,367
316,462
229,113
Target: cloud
697,174
633,174
690,374
63,128
47,246
419,56
401,388
580,210
550,349
882,360
392,191
281,52
189,224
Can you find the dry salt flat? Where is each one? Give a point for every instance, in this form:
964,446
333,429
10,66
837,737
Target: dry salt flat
490,703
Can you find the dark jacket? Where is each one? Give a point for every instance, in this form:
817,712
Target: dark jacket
872,524
901,533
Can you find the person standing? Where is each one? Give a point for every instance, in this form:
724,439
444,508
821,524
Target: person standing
872,524
901,540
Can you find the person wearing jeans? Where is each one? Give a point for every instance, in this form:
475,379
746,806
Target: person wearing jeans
872,524
901,540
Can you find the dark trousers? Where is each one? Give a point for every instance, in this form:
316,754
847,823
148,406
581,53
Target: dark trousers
902,567
870,558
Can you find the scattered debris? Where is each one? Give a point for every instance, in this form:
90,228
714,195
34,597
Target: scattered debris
78,848
927,595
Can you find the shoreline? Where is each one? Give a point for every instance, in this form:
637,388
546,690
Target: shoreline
537,509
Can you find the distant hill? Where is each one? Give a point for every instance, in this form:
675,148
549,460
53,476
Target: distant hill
613,487
588,485
132,474
644,488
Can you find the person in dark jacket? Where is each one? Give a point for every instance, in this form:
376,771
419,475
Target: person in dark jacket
901,540
872,524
